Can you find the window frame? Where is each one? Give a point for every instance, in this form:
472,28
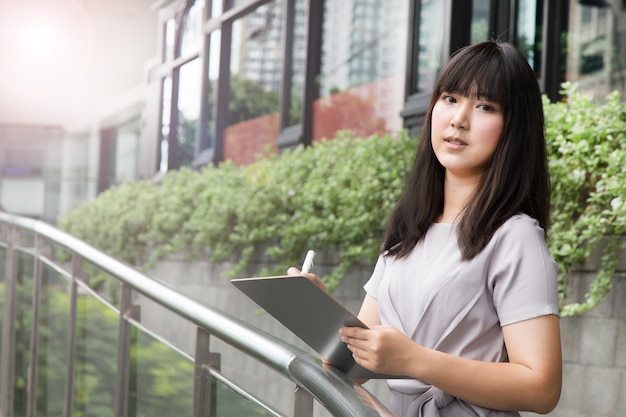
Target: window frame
171,68
289,135
501,20
458,15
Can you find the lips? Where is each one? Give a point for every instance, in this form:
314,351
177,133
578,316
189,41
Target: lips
454,142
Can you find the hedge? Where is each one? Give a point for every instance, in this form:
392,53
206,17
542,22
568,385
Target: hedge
337,194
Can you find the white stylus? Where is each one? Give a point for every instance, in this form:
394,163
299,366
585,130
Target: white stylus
308,262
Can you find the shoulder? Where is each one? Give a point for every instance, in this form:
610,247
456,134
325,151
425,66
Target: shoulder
522,275
519,239
520,226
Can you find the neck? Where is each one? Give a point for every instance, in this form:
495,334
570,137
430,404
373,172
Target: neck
456,195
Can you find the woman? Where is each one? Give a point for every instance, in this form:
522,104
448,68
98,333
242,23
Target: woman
463,298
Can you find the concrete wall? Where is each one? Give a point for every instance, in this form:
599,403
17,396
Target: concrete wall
594,343
594,355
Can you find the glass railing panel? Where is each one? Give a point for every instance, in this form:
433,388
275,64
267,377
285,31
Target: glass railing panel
56,254
232,402
3,255
162,383
161,378
54,329
103,284
235,365
23,324
95,360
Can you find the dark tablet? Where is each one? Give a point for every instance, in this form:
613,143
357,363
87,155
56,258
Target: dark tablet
311,314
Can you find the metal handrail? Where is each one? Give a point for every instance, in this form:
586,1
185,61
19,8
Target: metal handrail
333,389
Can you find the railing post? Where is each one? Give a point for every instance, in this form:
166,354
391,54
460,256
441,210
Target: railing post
127,310
302,403
8,326
205,386
33,370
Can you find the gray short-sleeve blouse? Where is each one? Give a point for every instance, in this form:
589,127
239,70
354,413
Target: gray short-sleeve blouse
459,307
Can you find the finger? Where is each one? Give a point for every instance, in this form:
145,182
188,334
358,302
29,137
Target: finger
316,280
293,271
354,333
359,355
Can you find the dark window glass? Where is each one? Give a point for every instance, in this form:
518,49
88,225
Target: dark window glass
528,31
480,21
298,62
595,55
363,66
432,50
255,80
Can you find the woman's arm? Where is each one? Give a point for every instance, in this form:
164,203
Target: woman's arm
530,381
368,313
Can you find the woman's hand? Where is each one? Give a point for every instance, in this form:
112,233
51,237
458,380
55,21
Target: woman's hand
314,278
382,349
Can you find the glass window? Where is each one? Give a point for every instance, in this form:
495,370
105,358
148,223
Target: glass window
255,81
188,109
480,21
127,151
237,3
432,50
298,62
213,79
363,66
165,122
170,38
191,35
527,31
596,48
216,8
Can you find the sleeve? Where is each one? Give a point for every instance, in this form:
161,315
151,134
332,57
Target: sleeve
522,274
373,284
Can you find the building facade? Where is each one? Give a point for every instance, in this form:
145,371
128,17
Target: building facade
228,79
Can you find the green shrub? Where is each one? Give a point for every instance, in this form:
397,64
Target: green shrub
587,149
334,196
337,194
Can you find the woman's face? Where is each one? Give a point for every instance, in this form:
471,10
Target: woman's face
465,132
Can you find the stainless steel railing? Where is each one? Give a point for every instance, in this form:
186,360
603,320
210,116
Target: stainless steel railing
331,388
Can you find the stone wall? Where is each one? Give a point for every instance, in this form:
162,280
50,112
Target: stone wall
594,343
594,355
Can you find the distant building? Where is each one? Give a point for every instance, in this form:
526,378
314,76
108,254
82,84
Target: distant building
171,83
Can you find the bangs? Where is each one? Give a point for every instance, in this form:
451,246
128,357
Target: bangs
480,74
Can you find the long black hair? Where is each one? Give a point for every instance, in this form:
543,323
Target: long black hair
516,180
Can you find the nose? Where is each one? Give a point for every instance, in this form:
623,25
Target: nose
460,119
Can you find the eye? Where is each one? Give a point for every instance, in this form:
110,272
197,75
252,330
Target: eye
448,98
486,107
